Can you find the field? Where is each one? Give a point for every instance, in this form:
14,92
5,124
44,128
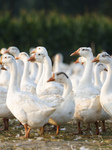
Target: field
66,140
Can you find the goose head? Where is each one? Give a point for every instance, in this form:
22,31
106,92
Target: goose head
40,49
38,57
6,59
59,77
80,60
22,56
101,67
83,51
103,57
13,50
2,51
58,57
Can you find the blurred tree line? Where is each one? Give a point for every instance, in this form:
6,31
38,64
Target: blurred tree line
60,26
72,7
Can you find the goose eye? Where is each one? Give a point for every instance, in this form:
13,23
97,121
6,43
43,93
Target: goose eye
5,57
83,49
38,54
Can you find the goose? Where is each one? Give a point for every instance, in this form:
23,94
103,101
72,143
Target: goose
58,64
2,51
85,87
106,90
99,67
4,111
33,68
15,52
27,83
4,77
86,94
28,109
65,110
43,87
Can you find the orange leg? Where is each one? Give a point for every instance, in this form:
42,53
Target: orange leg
97,129
58,129
27,132
42,130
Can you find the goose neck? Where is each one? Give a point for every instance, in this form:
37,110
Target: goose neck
26,70
107,86
67,88
88,72
40,68
47,68
97,76
13,77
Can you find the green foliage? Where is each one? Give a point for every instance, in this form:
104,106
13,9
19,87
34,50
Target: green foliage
57,32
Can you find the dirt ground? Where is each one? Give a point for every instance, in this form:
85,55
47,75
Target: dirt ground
66,140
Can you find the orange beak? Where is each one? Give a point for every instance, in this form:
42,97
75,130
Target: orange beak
96,59
3,68
17,58
76,53
34,51
32,58
7,51
1,60
77,61
52,78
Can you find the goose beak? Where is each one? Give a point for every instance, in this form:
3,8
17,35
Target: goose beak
105,69
32,58
75,53
52,78
17,58
34,51
7,51
96,59
77,61
3,68
1,60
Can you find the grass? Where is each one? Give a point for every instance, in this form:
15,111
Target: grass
66,139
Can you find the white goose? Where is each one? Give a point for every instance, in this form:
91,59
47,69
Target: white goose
27,83
15,52
106,91
43,87
86,94
4,111
64,110
28,109
33,69
99,67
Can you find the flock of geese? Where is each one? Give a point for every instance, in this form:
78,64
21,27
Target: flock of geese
36,92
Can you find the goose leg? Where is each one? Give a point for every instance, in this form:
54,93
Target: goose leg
103,126
26,131
58,129
97,129
6,124
79,129
42,130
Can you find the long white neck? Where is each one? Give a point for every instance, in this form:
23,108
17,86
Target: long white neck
97,76
107,86
47,68
56,66
25,75
13,77
88,73
103,76
67,88
39,74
